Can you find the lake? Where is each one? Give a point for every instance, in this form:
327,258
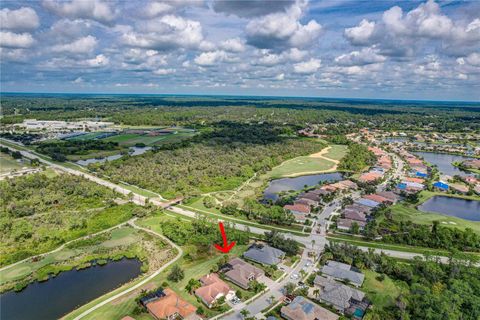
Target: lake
133,151
58,296
455,207
444,162
298,183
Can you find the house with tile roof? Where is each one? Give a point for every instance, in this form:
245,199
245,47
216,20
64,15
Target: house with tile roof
264,254
304,309
344,272
337,294
367,202
171,307
241,272
212,289
346,224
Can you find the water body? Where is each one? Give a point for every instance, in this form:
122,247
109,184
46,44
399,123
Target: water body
58,296
134,151
454,207
444,162
297,183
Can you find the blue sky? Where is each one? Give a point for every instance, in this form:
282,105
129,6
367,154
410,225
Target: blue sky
338,48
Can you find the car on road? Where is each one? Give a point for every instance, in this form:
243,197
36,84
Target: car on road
294,276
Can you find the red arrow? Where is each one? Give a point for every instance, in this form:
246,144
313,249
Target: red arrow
226,247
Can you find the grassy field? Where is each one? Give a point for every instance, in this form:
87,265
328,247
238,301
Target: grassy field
336,152
130,139
198,207
8,164
408,212
117,238
192,268
310,164
302,165
381,293
387,246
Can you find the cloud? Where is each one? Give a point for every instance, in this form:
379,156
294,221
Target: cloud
16,40
161,7
82,45
60,63
163,72
22,19
207,59
251,8
78,80
282,30
360,58
400,34
361,34
96,10
233,45
307,67
167,33
269,59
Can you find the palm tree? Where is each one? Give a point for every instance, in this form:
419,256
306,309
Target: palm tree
272,299
313,243
244,313
316,293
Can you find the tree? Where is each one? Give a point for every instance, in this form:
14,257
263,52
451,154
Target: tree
192,285
245,313
355,228
289,288
316,293
176,274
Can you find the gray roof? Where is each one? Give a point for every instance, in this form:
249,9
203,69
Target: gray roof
264,254
336,293
343,271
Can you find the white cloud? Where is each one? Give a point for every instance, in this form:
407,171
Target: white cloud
307,67
161,7
78,80
163,72
233,45
83,45
21,19
400,34
282,30
361,34
16,40
167,33
210,58
360,58
280,77
96,10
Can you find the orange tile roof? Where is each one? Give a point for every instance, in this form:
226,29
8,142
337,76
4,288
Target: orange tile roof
370,176
416,180
376,198
169,305
212,287
298,208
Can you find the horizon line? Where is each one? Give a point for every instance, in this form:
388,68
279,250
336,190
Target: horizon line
238,95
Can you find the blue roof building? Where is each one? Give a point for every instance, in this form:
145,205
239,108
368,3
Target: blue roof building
441,185
421,174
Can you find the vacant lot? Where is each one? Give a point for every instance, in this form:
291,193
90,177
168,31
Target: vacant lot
8,164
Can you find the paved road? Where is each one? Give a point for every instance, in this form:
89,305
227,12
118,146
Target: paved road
137,199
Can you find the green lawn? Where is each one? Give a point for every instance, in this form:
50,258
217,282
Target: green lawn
301,165
192,268
381,293
8,164
408,212
336,152
118,237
